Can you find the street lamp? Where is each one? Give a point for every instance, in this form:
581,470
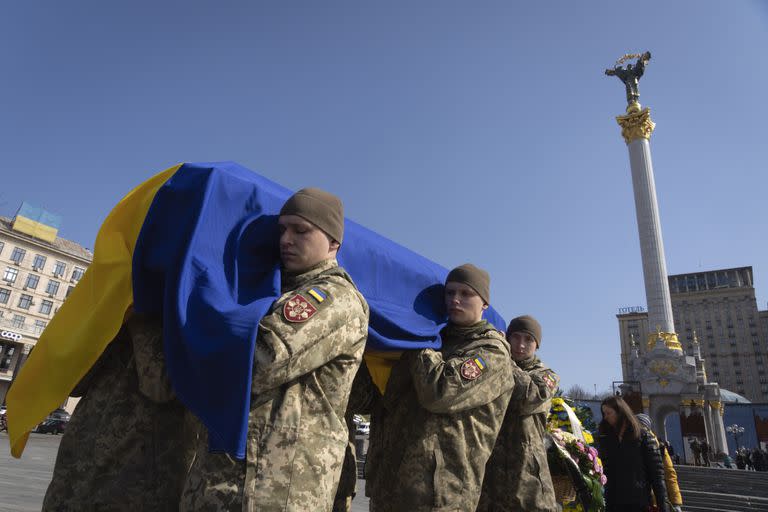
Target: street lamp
736,431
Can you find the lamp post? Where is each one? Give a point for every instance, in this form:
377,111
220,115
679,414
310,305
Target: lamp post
736,431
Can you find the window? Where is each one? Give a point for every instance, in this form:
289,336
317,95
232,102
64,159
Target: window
39,326
18,255
52,288
69,290
32,281
77,273
59,269
5,360
39,262
45,307
10,274
25,301
2,244
18,321
5,294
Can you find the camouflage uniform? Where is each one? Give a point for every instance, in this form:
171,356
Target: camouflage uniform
359,403
517,475
346,489
129,443
302,374
435,427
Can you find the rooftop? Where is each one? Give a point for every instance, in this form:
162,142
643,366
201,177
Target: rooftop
59,244
730,397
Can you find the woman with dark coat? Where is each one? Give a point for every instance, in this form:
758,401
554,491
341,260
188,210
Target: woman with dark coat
631,460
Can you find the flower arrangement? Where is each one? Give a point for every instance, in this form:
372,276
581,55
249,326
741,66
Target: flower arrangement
569,450
559,418
572,458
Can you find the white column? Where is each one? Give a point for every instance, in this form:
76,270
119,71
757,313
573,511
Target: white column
720,440
651,244
709,433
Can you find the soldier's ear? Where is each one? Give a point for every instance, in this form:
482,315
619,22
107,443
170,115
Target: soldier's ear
334,245
485,306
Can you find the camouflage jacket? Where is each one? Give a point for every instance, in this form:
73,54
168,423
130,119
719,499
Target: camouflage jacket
129,443
308,349
517,475
359,403
436,424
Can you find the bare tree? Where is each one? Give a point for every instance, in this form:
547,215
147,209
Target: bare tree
577,392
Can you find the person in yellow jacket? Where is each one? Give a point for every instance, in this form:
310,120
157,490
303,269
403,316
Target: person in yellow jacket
670,475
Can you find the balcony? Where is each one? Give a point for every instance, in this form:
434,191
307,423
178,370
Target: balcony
7,324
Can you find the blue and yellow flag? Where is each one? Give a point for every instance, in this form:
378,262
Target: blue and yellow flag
86,322
198,244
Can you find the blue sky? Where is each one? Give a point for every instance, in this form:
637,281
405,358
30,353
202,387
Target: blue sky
467,131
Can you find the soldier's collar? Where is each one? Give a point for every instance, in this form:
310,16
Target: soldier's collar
293,280
461,330
529,363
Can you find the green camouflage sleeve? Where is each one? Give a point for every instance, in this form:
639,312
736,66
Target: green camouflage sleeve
105,362
463,381
289,345
149,357
534,389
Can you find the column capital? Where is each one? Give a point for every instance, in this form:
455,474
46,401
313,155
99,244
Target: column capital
636,123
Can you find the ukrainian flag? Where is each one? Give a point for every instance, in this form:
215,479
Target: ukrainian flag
197,244
36,222
86,323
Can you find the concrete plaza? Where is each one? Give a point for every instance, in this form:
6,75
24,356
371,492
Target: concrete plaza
23,481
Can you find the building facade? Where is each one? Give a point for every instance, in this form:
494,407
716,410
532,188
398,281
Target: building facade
718,309
38,271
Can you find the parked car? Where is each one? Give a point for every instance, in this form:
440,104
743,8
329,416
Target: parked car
51,426
60,414
363,429
55,423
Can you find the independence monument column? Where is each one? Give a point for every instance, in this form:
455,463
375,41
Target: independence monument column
636,128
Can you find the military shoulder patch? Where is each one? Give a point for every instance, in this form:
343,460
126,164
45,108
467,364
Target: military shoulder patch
317,294
550,379
473,367
298,309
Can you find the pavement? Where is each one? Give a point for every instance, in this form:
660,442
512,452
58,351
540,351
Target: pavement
23,481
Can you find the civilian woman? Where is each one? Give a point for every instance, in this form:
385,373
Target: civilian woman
631,460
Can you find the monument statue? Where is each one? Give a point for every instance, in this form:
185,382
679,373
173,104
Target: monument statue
630,74
672,382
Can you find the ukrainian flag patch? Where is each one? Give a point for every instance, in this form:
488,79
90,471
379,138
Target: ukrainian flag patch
317,294
480,362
